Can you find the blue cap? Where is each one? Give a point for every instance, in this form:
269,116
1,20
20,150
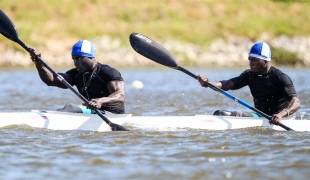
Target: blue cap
83,48
260,50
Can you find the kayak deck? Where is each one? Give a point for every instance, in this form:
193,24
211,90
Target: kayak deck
72,121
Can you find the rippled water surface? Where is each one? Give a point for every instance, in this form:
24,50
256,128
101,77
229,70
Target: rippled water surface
255,153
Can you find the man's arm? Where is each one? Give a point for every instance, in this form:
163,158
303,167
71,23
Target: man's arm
293,105
47,76
291,108
117,96
225,84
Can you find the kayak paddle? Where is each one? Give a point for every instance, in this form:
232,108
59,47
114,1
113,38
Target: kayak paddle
8,30
155,52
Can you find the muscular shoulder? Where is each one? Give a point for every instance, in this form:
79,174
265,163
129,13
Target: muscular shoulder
72,72
109,73
242,80
276,71
279,75
245,75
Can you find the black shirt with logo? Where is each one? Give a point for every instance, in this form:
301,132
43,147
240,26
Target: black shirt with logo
271,92
97,84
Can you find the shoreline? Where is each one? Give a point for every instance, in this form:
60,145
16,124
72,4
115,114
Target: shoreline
117,53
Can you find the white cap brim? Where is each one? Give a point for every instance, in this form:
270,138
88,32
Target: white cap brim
260,57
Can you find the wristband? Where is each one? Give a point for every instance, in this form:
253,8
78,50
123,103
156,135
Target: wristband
288,113
99,101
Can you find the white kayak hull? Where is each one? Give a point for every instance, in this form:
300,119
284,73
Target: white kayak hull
74,121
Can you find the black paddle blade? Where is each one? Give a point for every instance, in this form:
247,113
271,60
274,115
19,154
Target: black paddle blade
152,50
116,127
7,27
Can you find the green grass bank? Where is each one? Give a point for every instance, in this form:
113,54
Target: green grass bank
193,21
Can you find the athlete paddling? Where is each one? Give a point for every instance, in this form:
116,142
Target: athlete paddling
100,84
273,91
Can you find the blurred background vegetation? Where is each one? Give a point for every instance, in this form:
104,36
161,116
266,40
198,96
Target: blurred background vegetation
194,21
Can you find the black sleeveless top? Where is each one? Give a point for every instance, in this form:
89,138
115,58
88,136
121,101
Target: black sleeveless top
97,86
271,92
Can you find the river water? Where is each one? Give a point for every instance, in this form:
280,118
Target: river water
255,153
